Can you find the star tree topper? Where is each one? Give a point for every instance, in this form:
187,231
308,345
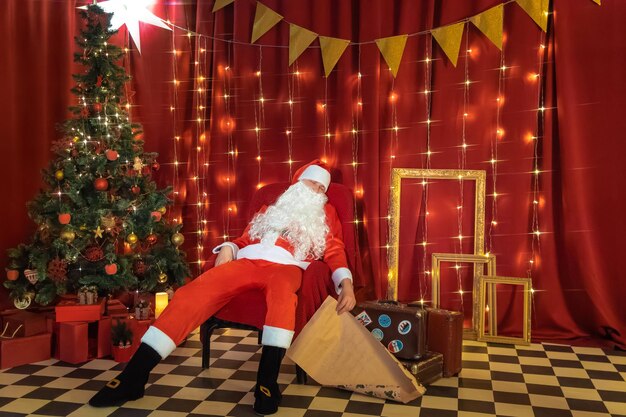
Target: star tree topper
130,13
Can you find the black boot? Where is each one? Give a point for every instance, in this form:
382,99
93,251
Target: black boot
267,395
130,384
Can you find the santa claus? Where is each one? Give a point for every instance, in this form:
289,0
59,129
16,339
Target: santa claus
278,244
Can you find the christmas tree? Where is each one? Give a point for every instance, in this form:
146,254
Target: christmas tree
100,217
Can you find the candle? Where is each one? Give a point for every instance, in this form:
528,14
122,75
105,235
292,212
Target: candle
160,301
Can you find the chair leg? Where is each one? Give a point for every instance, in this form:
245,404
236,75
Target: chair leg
206,330
301,376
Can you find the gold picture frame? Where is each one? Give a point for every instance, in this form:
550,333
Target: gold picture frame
491,281
397,174
486,260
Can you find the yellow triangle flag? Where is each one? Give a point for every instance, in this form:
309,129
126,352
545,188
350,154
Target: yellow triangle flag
264,19
537,10
490,24
449,39
299,39
220,4
332,49
392,49
597,2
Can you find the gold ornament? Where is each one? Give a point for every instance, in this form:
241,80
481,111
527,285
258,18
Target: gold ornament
68,235
178,239
23,302
98,232
162,210
75,139
138,164
59,175
162,278
132,238
83,227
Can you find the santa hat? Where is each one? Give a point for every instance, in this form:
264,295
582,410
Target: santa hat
315,171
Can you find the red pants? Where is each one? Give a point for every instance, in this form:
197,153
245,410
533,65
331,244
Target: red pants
195,302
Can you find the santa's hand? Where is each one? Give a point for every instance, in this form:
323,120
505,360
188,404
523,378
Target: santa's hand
346,300
225,255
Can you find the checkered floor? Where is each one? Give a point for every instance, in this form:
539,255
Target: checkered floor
537,380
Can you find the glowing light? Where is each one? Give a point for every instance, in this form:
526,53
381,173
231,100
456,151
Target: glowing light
130,13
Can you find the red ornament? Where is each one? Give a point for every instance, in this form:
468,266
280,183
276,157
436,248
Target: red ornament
156,215
101,184
64,218
110,269
156,166
111,154
13,274
57,270
74,153
94,253
152,238
97,107
99,81
135,189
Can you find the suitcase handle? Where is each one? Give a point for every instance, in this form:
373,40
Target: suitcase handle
390,302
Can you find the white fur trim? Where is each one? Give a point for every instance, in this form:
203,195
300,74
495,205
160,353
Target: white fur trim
339,275
272,253
234,247
316,173
159,341
275,336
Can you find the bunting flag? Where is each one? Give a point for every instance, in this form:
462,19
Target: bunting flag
597,2
299,39
264,19
220,4
490,23
449,39
392,49
537,10
332,49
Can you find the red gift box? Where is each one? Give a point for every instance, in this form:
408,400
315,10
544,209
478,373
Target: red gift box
72,342
115,308
23,350
72,311
23,324
78,342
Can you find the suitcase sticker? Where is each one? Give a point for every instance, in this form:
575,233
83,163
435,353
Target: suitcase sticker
395,346
363,318
404,327
378,334
384,320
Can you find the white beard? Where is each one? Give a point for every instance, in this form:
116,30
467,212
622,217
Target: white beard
298,215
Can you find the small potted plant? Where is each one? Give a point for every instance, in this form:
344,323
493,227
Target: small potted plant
122,339
142,310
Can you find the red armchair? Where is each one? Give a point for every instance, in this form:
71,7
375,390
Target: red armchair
247,310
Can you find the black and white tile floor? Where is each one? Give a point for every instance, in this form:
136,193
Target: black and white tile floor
540,380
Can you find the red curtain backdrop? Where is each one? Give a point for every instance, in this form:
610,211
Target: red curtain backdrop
203,126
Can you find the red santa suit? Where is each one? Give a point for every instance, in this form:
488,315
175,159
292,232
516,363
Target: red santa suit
270,268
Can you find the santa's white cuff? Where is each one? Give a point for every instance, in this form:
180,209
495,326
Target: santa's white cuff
339,275
159,341
275,336
234,247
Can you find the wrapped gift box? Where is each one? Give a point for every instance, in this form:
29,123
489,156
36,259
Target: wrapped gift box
72,311
115,308
78,342
23,324
23,350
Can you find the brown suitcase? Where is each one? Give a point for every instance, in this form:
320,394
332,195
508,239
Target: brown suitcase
428,369
445,336
401,328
